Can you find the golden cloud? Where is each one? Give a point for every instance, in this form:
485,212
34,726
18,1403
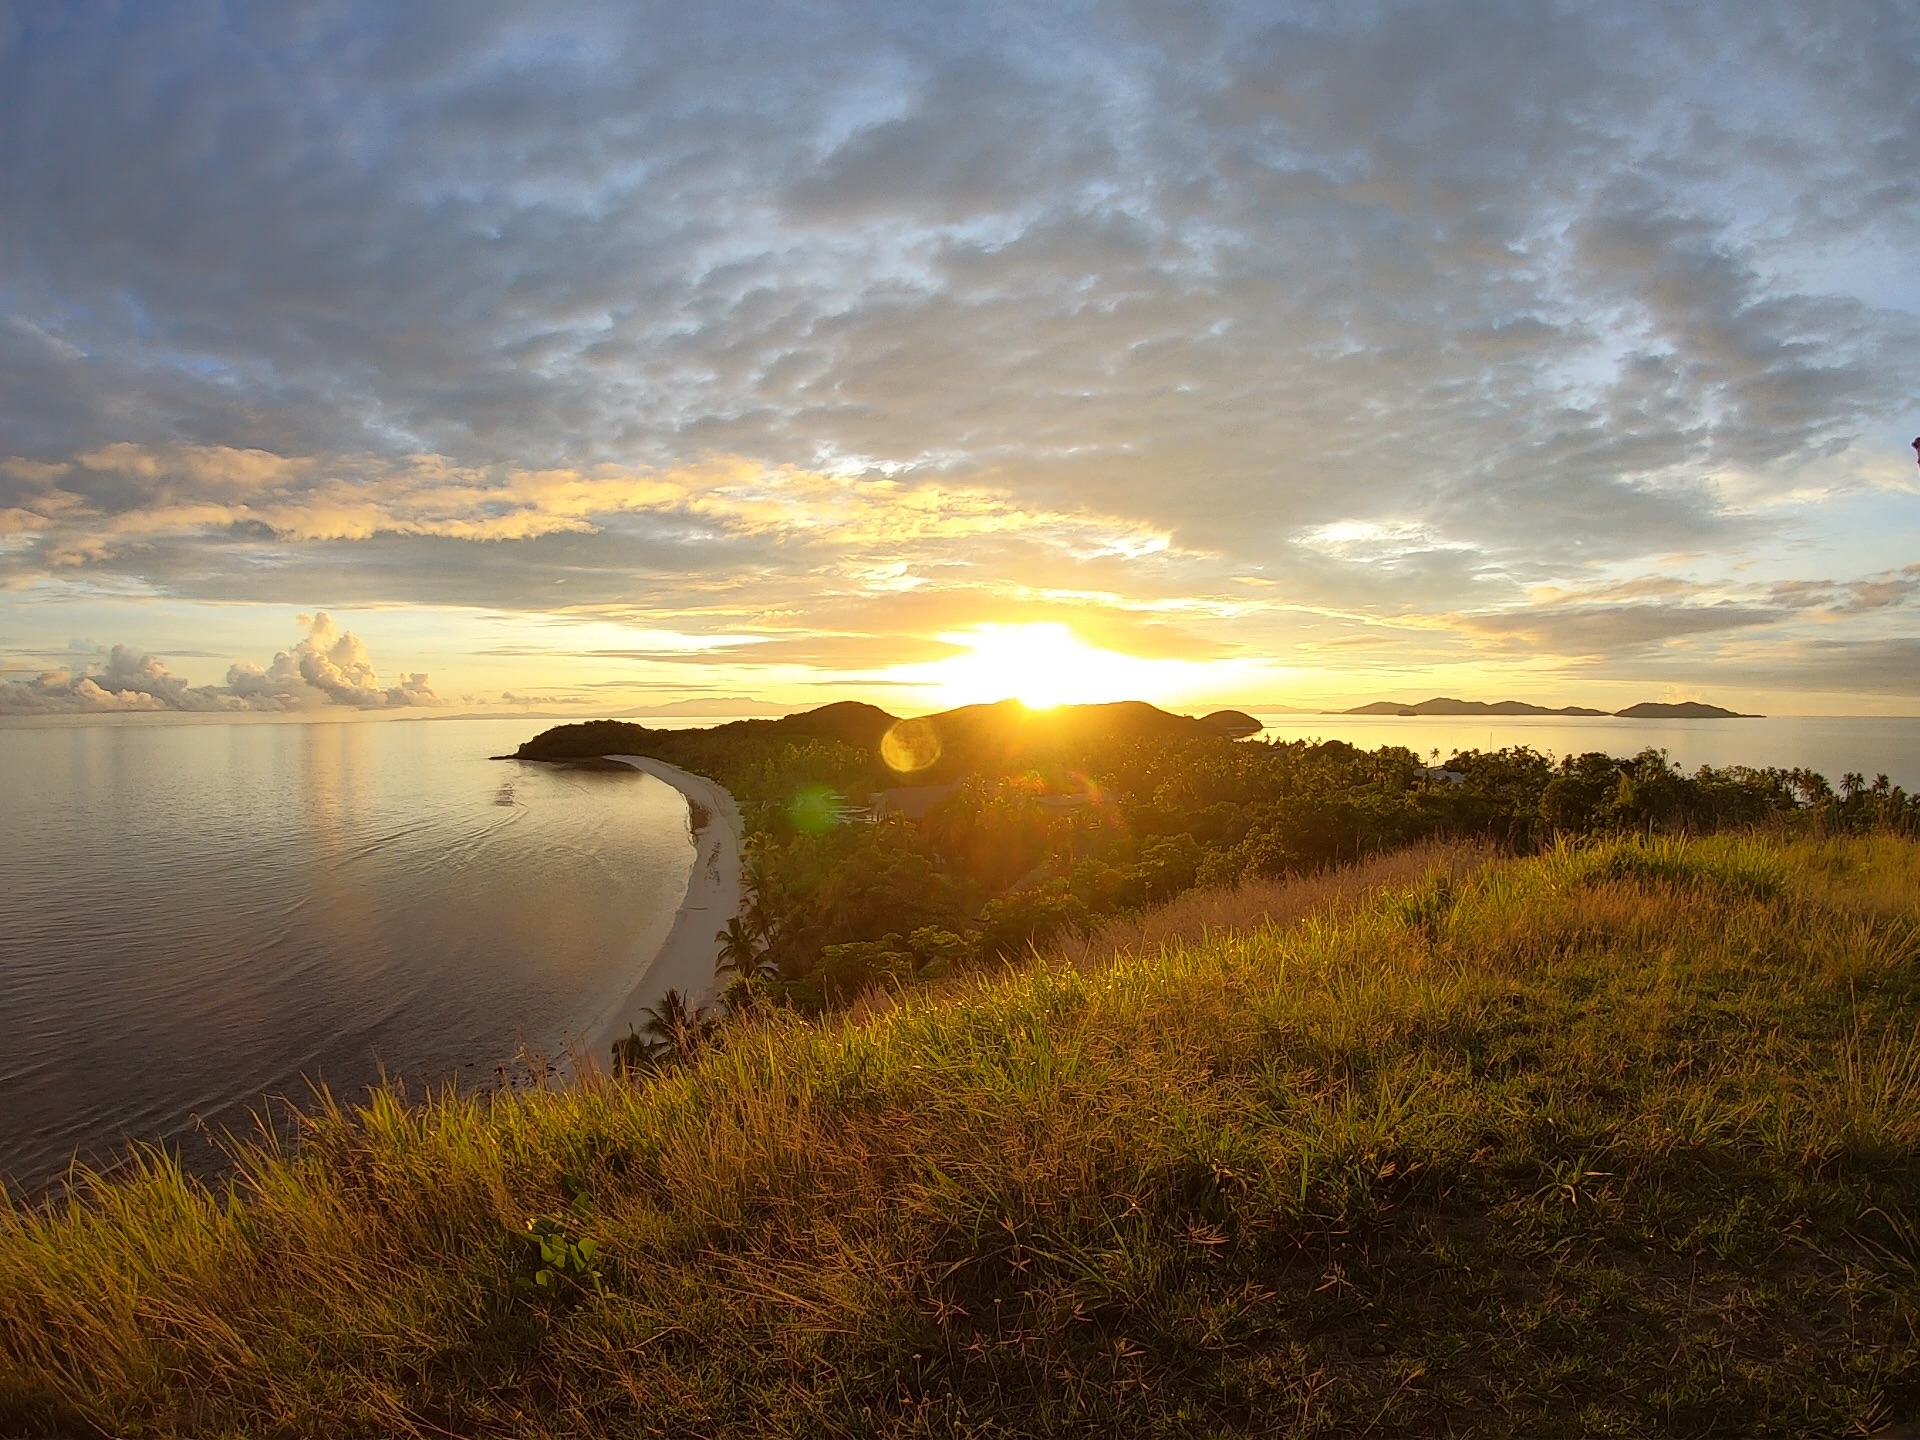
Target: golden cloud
196,489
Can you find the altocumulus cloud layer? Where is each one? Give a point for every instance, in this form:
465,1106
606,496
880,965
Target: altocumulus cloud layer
1341,333
327,667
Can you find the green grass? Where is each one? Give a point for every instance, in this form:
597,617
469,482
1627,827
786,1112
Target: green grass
1620,1140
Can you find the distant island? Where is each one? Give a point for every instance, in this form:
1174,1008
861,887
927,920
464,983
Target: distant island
1447,705
1645,710
1684,710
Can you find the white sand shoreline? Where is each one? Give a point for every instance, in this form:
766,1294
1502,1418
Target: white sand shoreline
685,959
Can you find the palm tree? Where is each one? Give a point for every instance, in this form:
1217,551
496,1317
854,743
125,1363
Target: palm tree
762,900
743,994
760,917
737,947
741,950
676,1025
674,1032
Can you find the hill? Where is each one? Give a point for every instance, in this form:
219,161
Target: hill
1235,724
1447,705
1617,1140
734,707
1684,710
1645,710
932,749
849,722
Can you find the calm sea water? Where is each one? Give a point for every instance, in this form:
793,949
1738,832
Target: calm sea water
193,916
1831,745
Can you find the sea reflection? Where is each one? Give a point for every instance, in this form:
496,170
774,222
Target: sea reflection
199,915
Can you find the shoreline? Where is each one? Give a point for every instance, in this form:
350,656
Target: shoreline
713,896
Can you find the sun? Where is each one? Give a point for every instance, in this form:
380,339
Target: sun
1044,663
1041,665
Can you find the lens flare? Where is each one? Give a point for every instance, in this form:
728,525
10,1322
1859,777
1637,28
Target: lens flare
815,809
910,745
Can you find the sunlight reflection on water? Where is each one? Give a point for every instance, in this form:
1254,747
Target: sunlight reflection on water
196,915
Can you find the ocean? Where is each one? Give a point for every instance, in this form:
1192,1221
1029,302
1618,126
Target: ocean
1832,745
194,916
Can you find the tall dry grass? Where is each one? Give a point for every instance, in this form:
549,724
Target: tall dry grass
1618,1140
1257,904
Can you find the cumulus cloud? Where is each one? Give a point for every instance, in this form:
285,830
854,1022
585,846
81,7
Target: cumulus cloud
125,680
328,666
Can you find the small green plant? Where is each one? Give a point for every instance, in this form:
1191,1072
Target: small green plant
1571,1181
1425,910
555,1264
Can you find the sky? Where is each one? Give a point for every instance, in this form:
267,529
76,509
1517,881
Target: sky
362,357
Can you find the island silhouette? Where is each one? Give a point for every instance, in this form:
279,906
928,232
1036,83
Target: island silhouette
1645,710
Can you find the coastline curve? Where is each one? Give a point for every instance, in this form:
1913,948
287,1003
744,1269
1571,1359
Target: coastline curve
714,895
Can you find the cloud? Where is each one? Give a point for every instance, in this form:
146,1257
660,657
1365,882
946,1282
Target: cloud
124,495
126,680
707,313
1886,666
326,667
1886,591
328,662
1617,630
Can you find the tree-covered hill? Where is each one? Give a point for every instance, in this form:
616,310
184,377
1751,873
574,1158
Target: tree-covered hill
1025,824
974,740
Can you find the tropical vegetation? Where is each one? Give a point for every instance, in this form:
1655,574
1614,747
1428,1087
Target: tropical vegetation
1042,824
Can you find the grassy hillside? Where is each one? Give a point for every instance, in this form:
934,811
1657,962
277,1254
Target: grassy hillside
1619,1140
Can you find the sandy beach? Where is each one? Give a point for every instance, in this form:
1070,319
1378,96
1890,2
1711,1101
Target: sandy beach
685,959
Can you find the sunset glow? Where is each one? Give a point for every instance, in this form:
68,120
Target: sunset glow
1277,356
571,574
1042,665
